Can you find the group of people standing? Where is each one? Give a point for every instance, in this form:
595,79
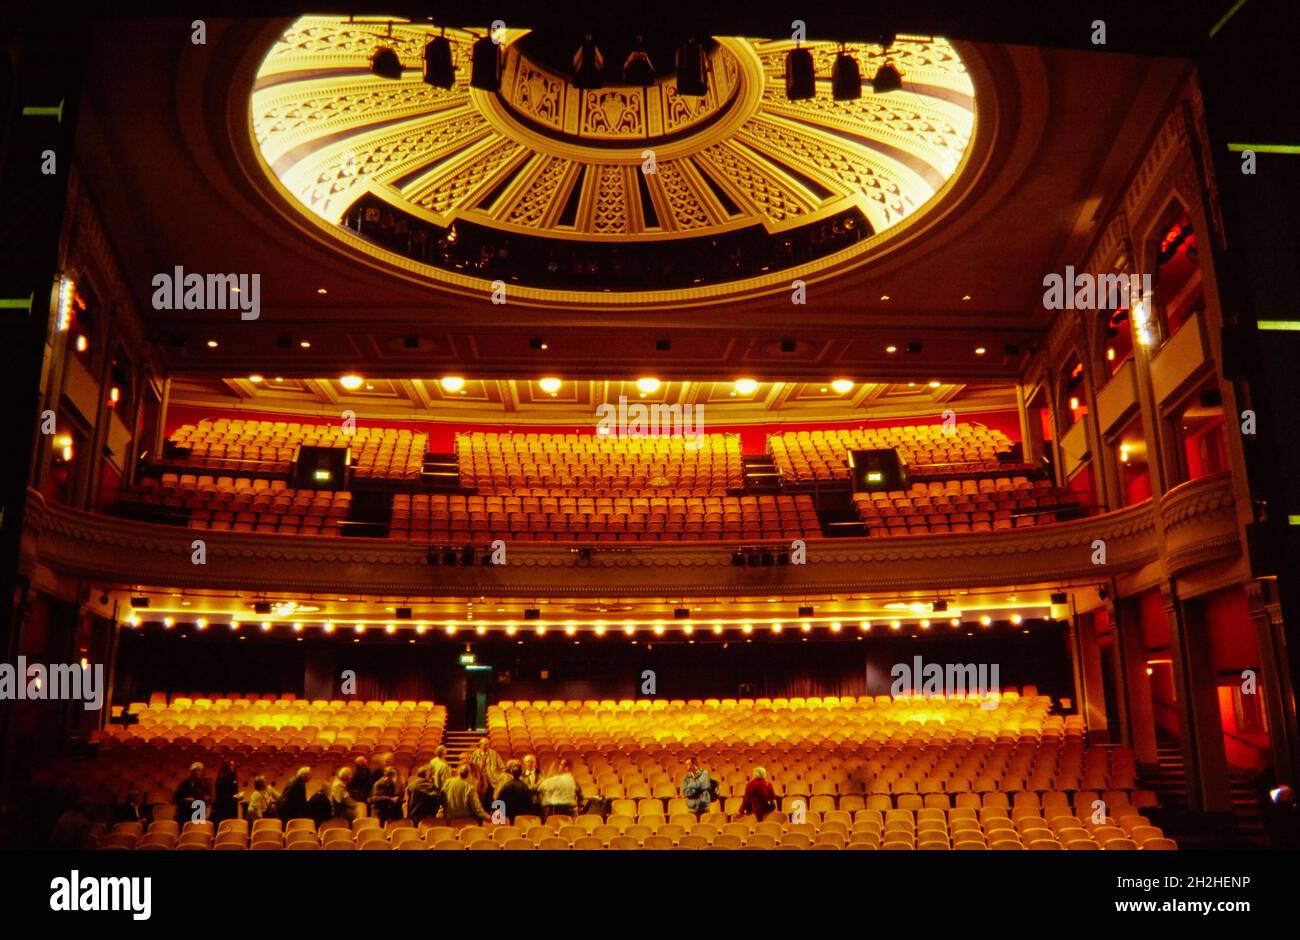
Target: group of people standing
483,787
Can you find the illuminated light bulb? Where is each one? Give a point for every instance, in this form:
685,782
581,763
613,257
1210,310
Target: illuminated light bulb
806,627
234,624
254,378
420,630
895,625
329,626
541,630
570,630
305,344
659,629
168,622
390,629
986,620
201,623
212,344
717,628
629,629
747,628
452,383
934,384
351,382
836,627
266,626
925,625
1074,404
600,630
1150,670
1016,618
550,385
133,621
842,386
980,350
360,628
450,629
884,296
1110,354
955,622
891,349
511,630
778,627
744,386
647,385
81,344
688,629
864,626
481,630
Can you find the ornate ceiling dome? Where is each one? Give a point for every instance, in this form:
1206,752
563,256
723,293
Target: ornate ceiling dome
609,196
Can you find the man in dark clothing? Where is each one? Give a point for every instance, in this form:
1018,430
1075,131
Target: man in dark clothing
422,797
133,810
363,778
294,799
514,793
320,807
192,788
385,800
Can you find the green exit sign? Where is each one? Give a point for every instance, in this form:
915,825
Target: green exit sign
467,659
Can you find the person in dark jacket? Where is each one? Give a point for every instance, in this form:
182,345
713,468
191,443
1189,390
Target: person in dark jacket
514,793
363,779
132,810
422,796
294,799
193,787
224,802
385,798
760,797
320,807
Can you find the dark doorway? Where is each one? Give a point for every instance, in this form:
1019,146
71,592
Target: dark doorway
478,680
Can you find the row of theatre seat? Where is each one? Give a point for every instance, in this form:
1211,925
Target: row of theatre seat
960,829
969,506
689,518
807,456
580,464
271,446
935,769
243,505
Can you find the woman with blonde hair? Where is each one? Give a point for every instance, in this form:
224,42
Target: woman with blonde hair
760,797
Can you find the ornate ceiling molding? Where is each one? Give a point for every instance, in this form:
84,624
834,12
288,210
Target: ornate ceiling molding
545,160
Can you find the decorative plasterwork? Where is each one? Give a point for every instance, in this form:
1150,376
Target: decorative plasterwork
546,159
117,551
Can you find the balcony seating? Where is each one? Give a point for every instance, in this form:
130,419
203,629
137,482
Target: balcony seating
586,464
807,456
242,504
436,516
986,505
254,447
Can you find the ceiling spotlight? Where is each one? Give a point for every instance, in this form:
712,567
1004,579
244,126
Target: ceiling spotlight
1016,618
587,64
638,69
934,384
212,344
717,628
201,623
600,630
439,71
254,378
647,385
385,64
485,65
452,383
842,386
891,349
887,79
550,385
746,386
986,620
980,350
846,77
692,78
266,626
800,75
352,382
